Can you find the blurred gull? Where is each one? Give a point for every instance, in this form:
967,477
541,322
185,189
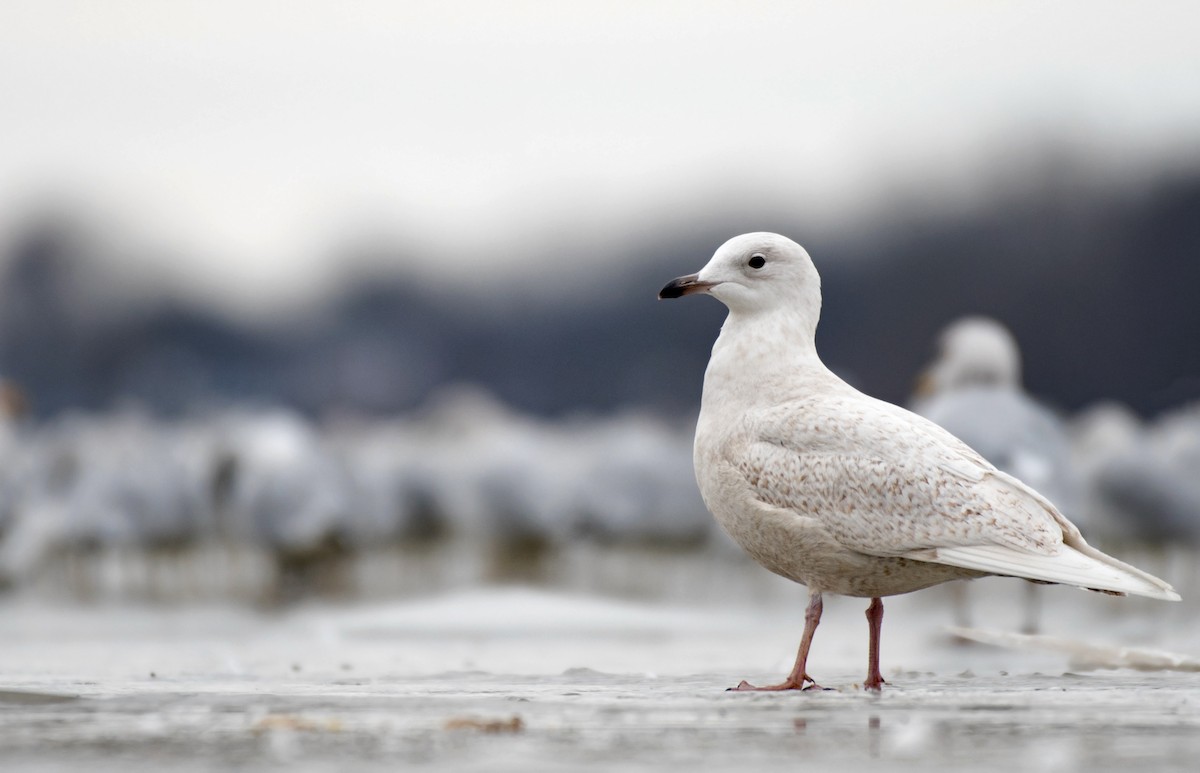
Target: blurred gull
1143,481
636,487
973,389
1175,439
845,493
88,486
12,453
502,477
276,486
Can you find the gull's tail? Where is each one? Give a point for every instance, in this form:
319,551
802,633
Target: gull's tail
1080,565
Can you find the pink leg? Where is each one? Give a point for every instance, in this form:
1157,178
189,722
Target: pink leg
799,676
875,623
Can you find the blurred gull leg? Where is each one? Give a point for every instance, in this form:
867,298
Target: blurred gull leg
1033,609
962,606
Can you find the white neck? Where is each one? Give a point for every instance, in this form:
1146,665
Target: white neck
763,359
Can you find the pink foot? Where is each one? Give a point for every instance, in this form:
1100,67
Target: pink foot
745,686
875,685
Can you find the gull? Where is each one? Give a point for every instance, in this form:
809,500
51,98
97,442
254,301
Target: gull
842,492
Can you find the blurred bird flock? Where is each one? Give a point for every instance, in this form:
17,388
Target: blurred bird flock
266,505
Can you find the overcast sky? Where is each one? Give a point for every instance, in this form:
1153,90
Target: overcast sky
252,136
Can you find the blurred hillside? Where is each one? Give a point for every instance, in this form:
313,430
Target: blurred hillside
1098,284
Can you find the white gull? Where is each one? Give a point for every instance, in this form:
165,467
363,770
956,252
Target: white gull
844,493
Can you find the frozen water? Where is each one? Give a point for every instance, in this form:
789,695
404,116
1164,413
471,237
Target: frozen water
515,679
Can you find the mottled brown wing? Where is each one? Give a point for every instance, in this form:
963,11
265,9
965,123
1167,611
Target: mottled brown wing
888,483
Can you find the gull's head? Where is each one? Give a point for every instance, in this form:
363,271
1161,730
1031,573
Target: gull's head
973,352
756,272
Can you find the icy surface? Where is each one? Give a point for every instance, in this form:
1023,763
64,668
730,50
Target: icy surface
520,679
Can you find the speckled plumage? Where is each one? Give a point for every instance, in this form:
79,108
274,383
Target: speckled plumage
845,493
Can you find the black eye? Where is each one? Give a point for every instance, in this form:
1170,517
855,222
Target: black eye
757,261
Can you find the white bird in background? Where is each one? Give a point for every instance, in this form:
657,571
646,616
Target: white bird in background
848,494
1143,480
973,390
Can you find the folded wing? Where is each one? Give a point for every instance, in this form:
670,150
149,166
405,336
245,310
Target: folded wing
894,484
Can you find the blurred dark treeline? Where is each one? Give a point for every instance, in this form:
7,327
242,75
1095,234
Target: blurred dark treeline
1099,285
